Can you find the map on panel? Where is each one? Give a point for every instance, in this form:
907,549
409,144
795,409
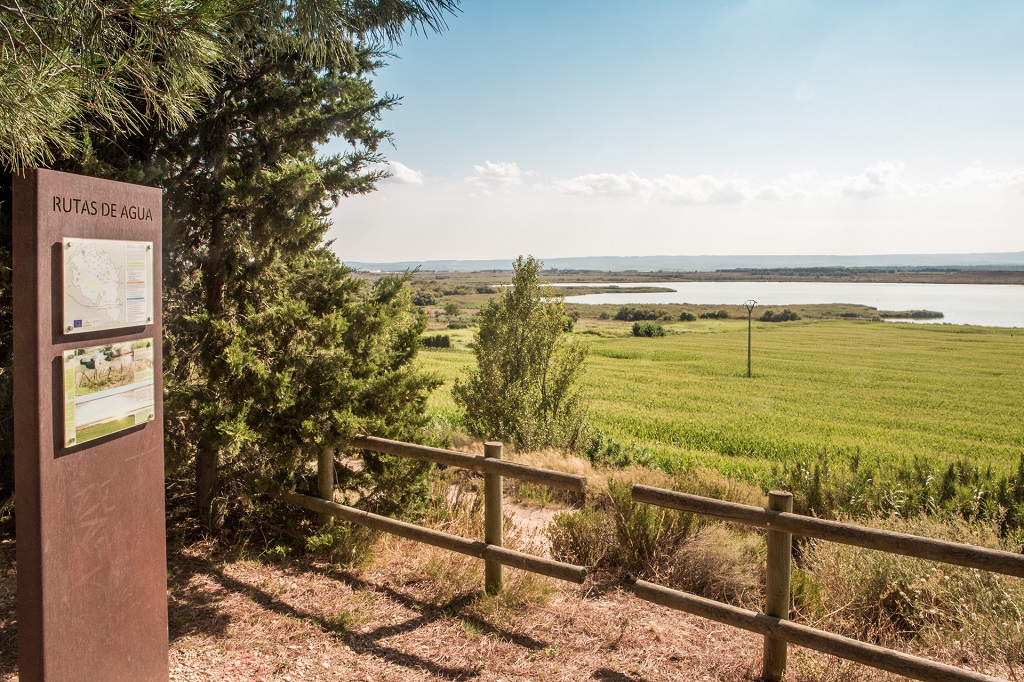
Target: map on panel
108,284
107,389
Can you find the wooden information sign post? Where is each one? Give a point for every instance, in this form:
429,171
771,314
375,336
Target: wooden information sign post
88,439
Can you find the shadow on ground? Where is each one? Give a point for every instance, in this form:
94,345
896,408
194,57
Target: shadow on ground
606,675
193,610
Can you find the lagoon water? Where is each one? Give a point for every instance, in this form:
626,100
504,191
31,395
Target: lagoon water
990,305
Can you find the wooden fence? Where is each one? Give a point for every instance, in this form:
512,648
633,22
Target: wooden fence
781,524
777,519
492,466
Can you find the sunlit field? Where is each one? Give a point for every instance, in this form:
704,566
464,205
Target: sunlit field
850,392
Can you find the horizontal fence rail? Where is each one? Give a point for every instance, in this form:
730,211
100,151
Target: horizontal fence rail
478,463
776,629
454,543
802,635
971,556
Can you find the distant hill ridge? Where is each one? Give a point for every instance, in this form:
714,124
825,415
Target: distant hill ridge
1010,260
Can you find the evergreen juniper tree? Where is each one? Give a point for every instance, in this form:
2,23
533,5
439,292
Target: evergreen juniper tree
291,357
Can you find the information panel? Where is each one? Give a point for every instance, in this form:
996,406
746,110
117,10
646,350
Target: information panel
108,284
107,389
91,523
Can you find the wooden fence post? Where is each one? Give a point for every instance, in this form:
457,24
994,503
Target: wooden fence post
493,521
780,552
325,481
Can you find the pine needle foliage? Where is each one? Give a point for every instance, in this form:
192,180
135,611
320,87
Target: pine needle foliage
525,389
70,69
125,62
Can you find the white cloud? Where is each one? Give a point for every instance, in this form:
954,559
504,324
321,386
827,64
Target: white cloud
402,174
882,210
702,189
885,178
1012,180
792,186
500,175
976,175
606,184
676,189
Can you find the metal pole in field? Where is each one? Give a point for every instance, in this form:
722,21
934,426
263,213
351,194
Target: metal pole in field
493,522
750,311
777,576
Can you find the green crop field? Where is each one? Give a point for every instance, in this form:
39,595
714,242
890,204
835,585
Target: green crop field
881,394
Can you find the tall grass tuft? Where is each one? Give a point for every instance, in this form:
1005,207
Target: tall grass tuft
615,535
948,612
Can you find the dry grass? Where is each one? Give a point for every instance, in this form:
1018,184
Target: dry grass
721,564
970,617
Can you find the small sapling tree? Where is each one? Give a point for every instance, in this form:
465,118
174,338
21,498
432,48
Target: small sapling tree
525,389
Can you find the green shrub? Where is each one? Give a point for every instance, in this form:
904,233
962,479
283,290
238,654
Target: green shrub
961,488
604,316
424,298
457,290
632,313
715,315
485,289
687,316
525,389
342,543
786,315
437,341
620,535
648,329
601,449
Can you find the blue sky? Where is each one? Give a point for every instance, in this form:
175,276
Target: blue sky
766,126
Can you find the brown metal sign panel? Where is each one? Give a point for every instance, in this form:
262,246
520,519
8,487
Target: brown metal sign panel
92,571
